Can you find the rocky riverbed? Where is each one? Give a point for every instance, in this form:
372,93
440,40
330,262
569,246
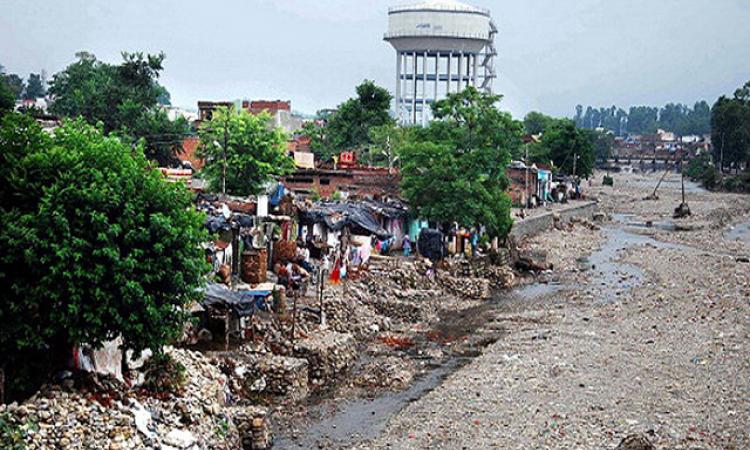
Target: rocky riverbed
648,335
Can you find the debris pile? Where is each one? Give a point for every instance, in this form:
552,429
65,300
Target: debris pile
100,412
389,372
356,317
328,353
467,287
279,376
253,427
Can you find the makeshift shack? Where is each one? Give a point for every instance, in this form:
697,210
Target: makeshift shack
234,308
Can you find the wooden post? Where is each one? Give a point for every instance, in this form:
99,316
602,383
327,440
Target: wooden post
294,315
321,287
227,322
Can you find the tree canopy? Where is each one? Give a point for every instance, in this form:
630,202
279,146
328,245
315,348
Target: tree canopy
94,244
730,134
569,148
34,87
348,128
676,117
254,151
454,170
124,98
536,122
7,98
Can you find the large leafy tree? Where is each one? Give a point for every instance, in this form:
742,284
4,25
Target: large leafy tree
454,170
387,142
536,122
348,128
93,245
124,98
246,148
730,129
13,82
603,143
7,98
34,87
570,149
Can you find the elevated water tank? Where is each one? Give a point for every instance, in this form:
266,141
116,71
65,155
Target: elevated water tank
442,46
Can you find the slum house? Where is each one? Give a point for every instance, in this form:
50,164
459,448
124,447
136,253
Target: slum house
249,232
524,184
356,229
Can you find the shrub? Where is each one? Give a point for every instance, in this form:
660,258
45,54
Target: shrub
164,375
94,244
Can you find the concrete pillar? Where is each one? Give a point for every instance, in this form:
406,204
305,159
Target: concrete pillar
424,88
437,77
460,82
414,94
448,70
474,74
398,85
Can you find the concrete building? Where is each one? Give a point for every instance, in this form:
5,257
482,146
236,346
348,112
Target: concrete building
280,111
442,46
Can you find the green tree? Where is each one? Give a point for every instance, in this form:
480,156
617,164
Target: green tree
454,170
319,142
603,143
246,147
93,245
387,142
34,87
348,128
569,148
730,129
536,122
7,99
124,98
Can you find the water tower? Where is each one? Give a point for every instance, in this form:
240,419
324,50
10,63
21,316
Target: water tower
442,46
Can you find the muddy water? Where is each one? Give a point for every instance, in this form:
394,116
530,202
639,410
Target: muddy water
612,276
340,423
740,232
354,420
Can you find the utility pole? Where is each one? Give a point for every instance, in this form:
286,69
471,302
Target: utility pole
575,160
526,184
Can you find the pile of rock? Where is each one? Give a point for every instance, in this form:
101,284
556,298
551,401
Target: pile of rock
408,311
329,354
353,314
279,376
256,374
109,415
467,287
389,372
495,267
253,427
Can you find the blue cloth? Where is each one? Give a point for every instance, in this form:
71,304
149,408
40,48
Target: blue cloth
275,198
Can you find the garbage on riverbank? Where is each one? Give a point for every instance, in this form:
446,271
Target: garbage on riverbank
99,412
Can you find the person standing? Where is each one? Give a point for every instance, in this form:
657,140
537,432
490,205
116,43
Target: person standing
407,246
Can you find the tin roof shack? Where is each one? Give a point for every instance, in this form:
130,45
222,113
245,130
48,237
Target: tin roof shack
326,223
524,183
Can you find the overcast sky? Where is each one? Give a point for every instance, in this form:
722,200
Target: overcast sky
554,54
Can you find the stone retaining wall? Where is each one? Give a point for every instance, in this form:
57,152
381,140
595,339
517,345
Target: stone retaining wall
538,224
